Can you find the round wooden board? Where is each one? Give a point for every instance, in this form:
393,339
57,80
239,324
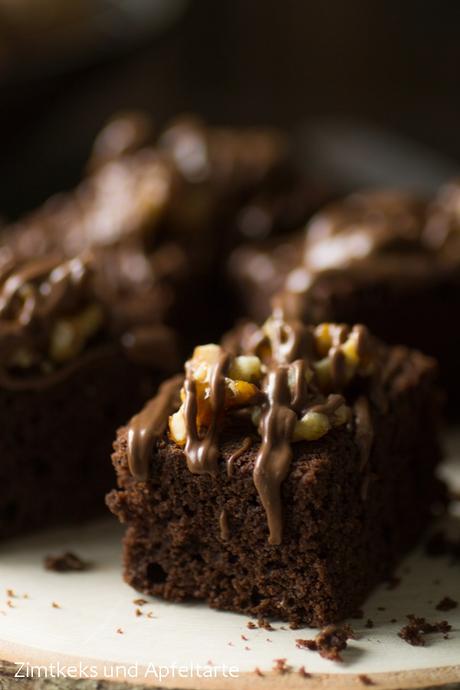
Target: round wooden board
88,620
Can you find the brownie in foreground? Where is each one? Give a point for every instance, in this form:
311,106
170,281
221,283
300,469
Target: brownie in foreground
284,476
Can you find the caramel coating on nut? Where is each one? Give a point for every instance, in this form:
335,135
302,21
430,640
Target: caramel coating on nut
332,355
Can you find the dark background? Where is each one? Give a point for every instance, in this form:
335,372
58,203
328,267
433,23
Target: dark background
283,62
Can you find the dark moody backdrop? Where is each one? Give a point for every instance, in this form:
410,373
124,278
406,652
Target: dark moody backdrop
394,64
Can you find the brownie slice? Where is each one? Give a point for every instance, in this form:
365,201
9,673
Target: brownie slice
384,259
74,361
296,469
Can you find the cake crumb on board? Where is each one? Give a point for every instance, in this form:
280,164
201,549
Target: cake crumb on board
329,642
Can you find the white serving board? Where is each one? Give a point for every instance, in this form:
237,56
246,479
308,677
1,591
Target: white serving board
94,605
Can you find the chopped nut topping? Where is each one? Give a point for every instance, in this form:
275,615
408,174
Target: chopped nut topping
238,392
312,426
320,362
70,335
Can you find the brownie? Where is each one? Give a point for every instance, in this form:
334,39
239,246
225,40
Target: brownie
385,259
95,294
284,475
74,363
168,206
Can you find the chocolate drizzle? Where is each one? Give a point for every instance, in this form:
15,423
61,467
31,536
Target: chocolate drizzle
290,402
275,453
33,296
223,525
149,425
299,385
245,446
202,451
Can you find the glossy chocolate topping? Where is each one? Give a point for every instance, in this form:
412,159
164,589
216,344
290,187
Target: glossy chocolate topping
275,453
291,380
149,425
142,218
46,312
202,451
374,233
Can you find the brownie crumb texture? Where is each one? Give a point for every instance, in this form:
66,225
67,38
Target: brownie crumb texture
304,673
414,632
140,601
281,666
66,563
446,604
365,680
329,642
369,623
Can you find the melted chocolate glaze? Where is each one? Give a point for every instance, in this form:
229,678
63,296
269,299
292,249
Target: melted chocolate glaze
287,394
202,452
275,453
136,220
149,425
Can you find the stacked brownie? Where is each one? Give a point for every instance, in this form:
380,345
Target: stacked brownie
385,259
283,475
94,285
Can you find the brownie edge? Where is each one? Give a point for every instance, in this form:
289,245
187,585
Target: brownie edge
205,537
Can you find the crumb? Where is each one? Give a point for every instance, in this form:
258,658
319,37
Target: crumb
140,602
294,625
230,644
120,631
357,615
251,625
10,604
281,666
65,563
11,593
265,624
243,637
381,608
248,649
55,605
369,623
268,640
446,604
394,620
365,680
258,672
138,612
329,642
304,673
393,582
150,614
25,596
413,633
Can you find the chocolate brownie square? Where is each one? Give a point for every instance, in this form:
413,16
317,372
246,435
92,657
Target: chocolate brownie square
284,476
385,259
